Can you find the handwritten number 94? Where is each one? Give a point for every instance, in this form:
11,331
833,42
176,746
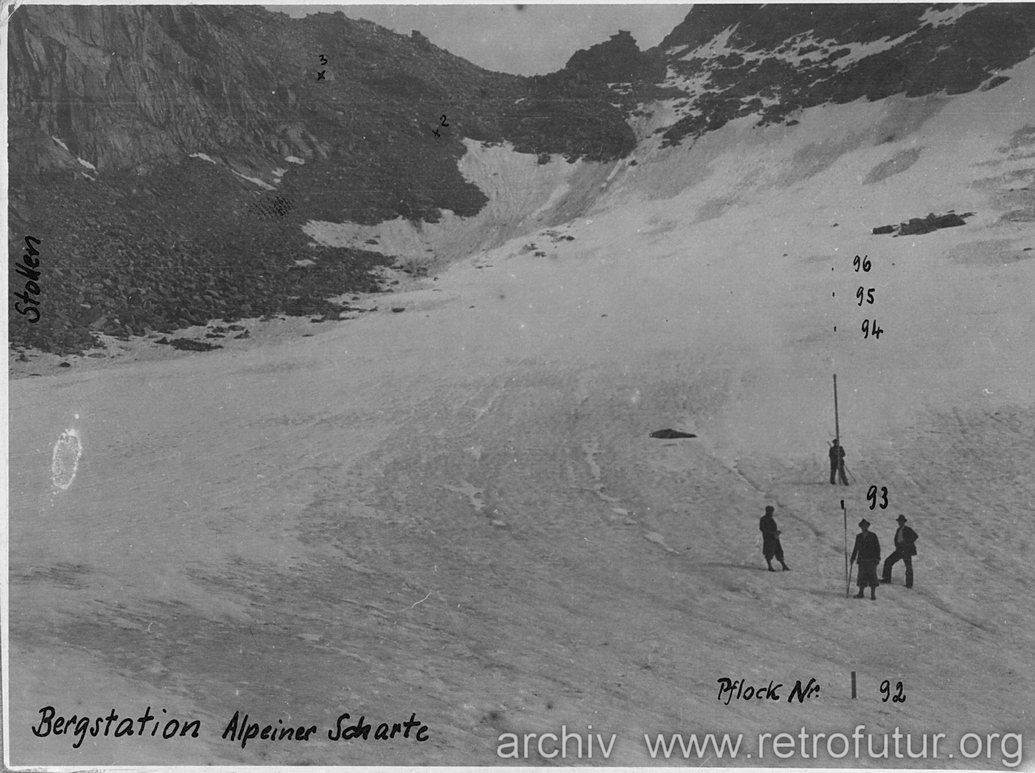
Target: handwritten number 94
870,328
885,690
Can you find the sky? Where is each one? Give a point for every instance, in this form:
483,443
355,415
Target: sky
518,39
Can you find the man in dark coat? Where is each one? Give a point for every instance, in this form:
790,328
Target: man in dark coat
867,551
905,549
771,547
837,462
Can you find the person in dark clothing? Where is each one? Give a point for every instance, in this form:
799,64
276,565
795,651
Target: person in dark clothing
837,462
867,551
771,547
905,549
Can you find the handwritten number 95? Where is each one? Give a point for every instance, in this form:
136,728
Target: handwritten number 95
885,690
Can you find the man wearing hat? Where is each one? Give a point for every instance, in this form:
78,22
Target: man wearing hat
867,551
905,549
771,547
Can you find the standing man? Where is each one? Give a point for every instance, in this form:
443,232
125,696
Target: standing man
905,549
867,550
837,462
771,547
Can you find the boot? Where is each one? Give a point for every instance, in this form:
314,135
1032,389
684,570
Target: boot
859,595
873,594
785,567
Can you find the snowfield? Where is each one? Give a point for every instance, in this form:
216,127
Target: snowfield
457,512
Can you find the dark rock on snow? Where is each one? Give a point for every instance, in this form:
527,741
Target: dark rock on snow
670,434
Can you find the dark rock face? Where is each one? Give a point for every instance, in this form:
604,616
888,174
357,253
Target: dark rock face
145,140
130,87
618,60
925,225
777,59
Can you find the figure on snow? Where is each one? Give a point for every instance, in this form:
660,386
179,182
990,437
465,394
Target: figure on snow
867,551
905,549
771,547
837,462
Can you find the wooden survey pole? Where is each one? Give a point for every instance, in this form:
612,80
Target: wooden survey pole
837,425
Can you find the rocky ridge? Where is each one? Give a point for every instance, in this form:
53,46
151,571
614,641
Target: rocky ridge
168,157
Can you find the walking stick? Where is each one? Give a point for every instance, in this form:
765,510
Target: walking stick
850,475
848,572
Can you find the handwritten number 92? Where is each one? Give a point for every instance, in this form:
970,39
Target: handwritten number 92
885,690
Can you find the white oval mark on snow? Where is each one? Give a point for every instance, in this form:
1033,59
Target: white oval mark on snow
65,460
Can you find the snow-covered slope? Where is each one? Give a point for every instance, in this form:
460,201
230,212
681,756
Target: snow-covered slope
523,194
457,511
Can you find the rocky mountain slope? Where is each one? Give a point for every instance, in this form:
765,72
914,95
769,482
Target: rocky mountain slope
169,158
145,142
772,61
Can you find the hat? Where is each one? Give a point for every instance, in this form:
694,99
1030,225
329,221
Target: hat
901,518
863,522
769,508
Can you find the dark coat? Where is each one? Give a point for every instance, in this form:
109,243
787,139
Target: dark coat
767,525
905,541
837,454
867,548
